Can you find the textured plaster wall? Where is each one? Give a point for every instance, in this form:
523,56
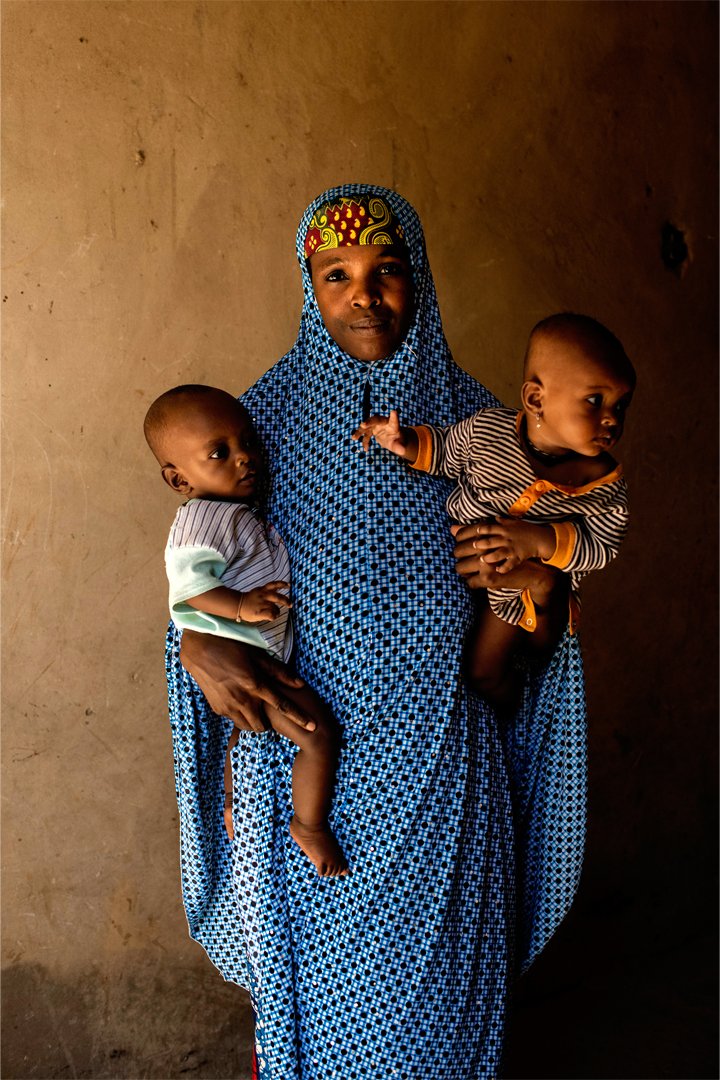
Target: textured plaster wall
157,157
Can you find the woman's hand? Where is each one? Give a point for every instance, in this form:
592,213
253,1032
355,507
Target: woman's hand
237,679
471,562
507,543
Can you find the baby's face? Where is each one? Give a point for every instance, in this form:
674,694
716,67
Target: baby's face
584,403
213,445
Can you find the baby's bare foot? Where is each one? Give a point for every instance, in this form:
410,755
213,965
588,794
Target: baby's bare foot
321,848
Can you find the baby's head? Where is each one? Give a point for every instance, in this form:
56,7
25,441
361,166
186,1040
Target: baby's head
578,383
205,443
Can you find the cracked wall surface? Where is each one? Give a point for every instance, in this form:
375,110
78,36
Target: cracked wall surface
157,157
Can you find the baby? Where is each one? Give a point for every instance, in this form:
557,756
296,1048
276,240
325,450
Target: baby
542,479
229,575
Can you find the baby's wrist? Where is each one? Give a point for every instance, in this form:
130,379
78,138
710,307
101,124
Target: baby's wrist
410,444
546,542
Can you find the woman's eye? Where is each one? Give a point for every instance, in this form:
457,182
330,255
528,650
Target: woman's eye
392,268
335,275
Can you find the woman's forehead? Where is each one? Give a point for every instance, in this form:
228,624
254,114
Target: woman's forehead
358,257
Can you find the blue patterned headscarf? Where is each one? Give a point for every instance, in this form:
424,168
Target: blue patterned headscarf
401,969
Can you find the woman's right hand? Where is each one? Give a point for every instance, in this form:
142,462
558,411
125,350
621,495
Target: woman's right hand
237,679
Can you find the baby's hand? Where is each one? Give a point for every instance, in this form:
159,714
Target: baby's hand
507,543
386,431
264,603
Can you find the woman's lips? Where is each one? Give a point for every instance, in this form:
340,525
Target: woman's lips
369,327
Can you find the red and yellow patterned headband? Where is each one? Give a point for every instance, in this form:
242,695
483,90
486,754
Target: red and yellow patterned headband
350,221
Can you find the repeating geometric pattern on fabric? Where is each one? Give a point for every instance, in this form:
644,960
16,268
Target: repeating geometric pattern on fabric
345,222
401,969
546,748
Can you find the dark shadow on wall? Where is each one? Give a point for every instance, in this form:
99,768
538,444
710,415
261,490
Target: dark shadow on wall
627,990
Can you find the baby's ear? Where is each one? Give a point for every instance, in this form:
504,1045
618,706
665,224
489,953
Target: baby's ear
175,480
532,395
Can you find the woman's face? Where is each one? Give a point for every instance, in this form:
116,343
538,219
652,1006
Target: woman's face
365,297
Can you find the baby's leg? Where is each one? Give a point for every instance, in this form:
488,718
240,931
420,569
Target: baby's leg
313,777
228,783
489,660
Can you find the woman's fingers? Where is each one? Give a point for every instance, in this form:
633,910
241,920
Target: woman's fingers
477,574
280,672
466,549
225,672
270,690
480,555
246,713
283,704
238,680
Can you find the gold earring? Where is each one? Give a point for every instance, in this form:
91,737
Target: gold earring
537,418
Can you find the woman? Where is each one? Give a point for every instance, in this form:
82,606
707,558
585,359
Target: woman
402,968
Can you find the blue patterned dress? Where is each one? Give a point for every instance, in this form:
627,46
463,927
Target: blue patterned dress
401,969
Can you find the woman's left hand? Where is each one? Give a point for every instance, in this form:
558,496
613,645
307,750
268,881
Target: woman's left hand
507,543
471,545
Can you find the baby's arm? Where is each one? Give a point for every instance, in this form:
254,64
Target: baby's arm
258,605
439,451
577,546
598,536
507,543
386,431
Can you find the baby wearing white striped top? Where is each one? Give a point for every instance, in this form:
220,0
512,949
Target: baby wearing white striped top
229,575
538,484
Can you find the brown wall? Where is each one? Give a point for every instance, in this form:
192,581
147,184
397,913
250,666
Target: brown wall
157,157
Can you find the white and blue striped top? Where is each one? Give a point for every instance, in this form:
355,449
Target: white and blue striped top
215,543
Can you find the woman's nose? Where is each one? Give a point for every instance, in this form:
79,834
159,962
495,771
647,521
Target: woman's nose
366,294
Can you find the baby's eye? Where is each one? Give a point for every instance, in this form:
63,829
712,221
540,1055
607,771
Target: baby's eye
595,400
220,452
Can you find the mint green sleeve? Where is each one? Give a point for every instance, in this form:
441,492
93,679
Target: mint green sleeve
192,571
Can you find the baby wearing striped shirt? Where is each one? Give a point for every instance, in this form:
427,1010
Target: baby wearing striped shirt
537,484
229,574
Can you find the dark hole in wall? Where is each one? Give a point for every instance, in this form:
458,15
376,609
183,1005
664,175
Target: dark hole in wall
673,248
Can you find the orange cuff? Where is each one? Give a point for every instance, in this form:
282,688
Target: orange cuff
529,619
423,461
565,537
